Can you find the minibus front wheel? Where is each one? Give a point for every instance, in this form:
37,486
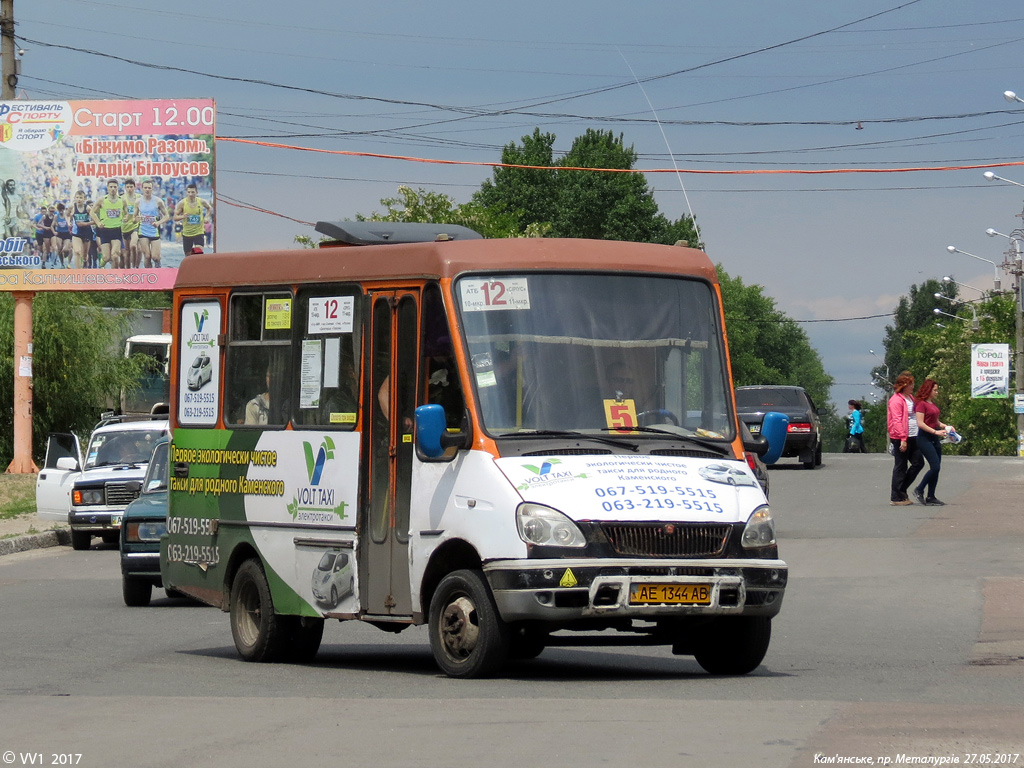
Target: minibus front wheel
467,636
733,645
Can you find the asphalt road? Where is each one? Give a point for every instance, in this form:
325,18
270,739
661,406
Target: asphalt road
901,638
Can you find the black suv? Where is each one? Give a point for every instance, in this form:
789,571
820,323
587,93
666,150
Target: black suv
803,436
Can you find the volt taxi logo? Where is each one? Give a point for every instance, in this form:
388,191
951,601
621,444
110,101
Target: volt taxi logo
199,338
315,466
543,469
546,474
315,503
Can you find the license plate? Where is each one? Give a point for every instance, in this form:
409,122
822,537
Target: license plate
670,594
115,520
754,428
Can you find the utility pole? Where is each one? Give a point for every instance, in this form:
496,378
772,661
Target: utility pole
1014,264
22,462
7,60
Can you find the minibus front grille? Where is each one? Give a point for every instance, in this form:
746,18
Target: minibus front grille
667,539
686,452
121,494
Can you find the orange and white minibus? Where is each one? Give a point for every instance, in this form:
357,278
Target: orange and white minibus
520,443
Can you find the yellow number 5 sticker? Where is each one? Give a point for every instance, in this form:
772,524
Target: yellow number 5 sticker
620,414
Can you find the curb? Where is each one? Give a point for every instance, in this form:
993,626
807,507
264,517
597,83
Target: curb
54,538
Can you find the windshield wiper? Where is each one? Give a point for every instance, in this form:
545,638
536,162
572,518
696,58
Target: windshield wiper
618,443
718,448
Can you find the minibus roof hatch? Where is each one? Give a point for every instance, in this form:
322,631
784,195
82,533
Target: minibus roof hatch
388,232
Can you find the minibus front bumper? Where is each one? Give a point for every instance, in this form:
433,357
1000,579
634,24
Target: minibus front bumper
567,589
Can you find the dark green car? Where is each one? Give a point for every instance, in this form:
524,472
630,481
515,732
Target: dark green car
144,522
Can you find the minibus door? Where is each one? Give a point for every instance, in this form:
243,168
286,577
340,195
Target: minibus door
385,539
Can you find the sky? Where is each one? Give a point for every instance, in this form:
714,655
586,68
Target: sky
729,98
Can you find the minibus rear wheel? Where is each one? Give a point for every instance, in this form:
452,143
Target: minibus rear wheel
733,645
259,633
467,636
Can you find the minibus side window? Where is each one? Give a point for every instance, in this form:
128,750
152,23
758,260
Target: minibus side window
258,359
441,374
326,379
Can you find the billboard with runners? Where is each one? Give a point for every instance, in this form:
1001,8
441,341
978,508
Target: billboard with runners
104,195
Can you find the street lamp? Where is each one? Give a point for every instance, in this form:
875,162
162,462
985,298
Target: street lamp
992,177
948,279
974,322
974,313
995,267
1014,238
1012,97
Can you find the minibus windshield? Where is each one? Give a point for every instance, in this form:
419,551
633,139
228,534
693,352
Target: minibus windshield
593,352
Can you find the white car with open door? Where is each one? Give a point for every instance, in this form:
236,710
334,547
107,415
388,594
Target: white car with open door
90,492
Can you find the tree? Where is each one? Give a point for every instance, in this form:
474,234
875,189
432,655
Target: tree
527,194
766,346
913,313
78,365
989,425
420,205
917,344
576,203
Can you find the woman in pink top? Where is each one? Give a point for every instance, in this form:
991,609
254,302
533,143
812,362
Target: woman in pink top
902,427
929,440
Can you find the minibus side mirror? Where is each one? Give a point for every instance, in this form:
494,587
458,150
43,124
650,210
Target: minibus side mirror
432,435
773,429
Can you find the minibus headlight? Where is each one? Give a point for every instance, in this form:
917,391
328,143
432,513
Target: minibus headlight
547,527
760,529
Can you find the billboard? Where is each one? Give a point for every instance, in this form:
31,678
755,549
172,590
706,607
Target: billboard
990,370
104,195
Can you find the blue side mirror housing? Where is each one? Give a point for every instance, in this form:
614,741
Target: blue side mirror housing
431,427
773,429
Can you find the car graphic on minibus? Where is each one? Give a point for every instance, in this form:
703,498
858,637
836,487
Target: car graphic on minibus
332,579
200,372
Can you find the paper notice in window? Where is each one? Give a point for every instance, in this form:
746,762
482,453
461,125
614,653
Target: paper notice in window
309,388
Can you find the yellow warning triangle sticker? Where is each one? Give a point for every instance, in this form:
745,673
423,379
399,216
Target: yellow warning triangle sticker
568,579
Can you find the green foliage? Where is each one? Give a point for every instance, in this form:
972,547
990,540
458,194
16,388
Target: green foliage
599,206
833,431
989,426
766,346
531,196
873,416
78,367
914,312
419,205
24,505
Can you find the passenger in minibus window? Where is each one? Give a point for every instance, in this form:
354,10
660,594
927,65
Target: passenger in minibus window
257,411
443,383
621,381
